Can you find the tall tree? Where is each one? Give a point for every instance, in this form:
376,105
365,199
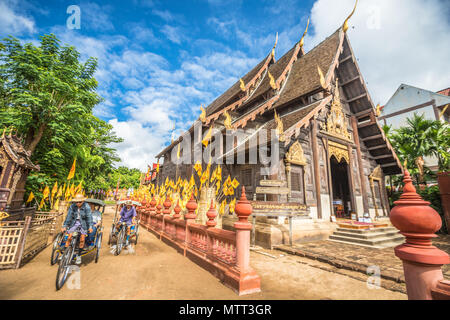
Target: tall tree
44,88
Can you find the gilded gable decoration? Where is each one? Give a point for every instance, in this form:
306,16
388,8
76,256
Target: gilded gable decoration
295,154
336,122
339,151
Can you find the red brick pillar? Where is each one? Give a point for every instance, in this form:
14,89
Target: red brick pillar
211,223
422,261
249,281
190,218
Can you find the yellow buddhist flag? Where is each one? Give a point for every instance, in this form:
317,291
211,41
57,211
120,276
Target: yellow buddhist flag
54,189
30,197
203,114
46,192
232,205
72,170
222,207
60,192
56,205
41,204
235,183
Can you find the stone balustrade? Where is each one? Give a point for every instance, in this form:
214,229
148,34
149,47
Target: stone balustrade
226,254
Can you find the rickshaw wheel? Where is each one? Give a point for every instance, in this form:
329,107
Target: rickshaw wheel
99,244
64,265
120,240
55,250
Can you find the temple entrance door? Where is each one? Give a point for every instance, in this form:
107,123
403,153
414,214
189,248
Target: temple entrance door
341,190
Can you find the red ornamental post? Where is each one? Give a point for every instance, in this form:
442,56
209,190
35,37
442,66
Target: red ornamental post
249,281
422,261
167,204
211,214
152,211
191,206
177,210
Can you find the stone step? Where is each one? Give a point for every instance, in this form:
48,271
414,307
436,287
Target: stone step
370,242
372,230
381,246
369,235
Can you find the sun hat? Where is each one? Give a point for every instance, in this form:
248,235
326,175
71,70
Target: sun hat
78,198
128,203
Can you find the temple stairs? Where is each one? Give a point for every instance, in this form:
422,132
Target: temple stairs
378,238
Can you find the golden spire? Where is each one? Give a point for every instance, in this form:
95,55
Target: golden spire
345,25
443,111
378,110
242,84
272,81
304,34
279,127
322,79
227,122
203,114
274,46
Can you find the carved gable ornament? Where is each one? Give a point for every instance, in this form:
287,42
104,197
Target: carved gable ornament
339,151
336,122
295,154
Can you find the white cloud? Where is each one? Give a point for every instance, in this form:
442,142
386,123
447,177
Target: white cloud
140,143
174,34
13,23
402,41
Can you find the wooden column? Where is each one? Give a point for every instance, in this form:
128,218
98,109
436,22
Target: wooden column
360,165
350,178
330,182
315,156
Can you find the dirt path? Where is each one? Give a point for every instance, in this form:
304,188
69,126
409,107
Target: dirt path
156,271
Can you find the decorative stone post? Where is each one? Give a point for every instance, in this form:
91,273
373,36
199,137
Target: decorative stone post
177,210
189,217
422,261
167,204
211,214
249,281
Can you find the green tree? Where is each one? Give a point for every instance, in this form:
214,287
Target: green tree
418,139
48,95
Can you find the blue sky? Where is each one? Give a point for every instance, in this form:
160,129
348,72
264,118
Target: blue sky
159,60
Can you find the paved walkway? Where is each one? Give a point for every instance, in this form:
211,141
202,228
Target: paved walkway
156,271
358,258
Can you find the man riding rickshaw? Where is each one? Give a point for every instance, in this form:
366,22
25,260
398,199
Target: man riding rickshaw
81,234
126,227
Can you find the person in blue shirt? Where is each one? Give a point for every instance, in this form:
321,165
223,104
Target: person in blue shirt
79,218
128,215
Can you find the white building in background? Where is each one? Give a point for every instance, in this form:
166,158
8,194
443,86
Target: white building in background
408,100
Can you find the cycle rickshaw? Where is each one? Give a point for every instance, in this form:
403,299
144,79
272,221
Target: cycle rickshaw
119,235
66,255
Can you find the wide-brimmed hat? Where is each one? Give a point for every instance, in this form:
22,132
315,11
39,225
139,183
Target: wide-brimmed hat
79,198
129,203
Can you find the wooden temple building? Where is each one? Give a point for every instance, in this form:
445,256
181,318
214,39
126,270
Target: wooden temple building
333,156
15,165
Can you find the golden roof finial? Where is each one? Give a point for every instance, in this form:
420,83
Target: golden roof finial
279,127
227,122
242,84
443,111
274,46
345,25
378,110
272,81
203,114
322,78
304,34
